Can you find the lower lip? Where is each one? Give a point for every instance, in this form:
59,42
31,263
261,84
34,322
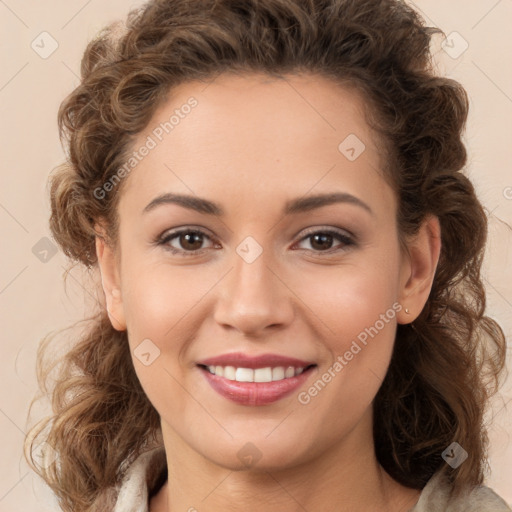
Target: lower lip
255,393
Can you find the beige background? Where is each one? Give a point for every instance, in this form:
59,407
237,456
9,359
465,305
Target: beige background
33,300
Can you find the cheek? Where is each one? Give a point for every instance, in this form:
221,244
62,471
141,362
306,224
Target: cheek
351,298
157,304
158,298
361,317
161,306
357,305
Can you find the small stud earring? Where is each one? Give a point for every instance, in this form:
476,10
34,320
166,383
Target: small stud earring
407,311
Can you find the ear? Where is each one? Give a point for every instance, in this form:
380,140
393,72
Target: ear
110,279
418,268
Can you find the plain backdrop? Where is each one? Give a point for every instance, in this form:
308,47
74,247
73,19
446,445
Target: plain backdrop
41,47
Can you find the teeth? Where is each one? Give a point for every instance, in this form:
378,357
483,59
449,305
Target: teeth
244,375
229,372
289,372
263,375
278,373
267,374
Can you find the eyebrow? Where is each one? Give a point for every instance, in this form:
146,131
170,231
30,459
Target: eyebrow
299,205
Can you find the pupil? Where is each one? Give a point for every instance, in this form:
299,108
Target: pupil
189,237
323,240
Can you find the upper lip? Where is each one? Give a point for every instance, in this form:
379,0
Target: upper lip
240,360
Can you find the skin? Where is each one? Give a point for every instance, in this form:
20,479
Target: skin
251,144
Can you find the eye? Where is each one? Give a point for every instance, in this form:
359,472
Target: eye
322,240
184,241
189,241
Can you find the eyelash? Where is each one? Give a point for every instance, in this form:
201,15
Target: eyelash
163,240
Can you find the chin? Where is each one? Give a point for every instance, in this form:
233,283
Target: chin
246,453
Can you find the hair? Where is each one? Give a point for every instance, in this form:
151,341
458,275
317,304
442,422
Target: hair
445,367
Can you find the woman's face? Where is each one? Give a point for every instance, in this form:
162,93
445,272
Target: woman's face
264,280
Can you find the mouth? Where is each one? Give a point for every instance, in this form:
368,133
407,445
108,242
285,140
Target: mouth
255,381
267,374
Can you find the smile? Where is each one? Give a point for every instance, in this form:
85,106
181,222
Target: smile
255,380
267,374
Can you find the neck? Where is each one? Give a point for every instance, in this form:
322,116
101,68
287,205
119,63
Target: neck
347,477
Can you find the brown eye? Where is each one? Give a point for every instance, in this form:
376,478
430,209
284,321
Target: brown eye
191,241
322,241
184,241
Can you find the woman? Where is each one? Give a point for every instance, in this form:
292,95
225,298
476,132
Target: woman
290,263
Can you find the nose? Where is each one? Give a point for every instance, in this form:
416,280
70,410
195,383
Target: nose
254,298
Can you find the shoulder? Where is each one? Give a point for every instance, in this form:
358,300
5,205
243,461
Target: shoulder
435,498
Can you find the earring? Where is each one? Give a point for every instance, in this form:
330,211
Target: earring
407,311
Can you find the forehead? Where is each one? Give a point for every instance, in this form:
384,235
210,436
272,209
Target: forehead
257,135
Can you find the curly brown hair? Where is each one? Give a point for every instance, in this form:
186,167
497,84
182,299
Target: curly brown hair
444,368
